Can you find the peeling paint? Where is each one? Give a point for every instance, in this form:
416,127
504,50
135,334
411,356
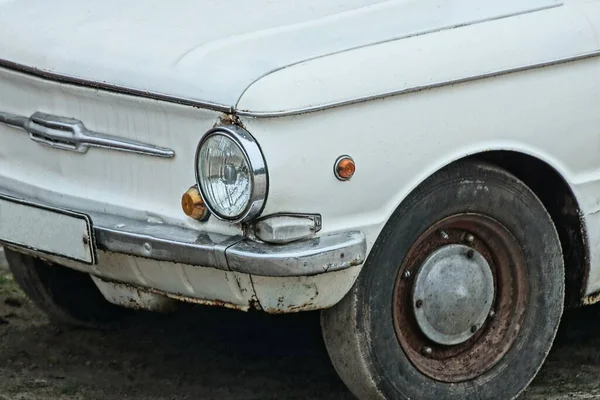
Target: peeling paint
229,119
134,297
595,211
214,302
141,298
591,299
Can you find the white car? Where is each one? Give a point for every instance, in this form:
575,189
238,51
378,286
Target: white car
426,172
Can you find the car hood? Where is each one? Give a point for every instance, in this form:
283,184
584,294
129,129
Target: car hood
201,50
208,51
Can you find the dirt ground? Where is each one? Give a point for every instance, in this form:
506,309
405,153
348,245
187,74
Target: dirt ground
206,353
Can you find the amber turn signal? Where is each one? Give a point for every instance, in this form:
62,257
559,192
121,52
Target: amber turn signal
193,205
344,168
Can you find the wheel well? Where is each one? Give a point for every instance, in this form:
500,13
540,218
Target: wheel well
557,197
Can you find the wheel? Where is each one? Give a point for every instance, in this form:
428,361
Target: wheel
69,297
461,295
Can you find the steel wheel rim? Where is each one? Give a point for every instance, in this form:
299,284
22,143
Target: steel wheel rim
478,354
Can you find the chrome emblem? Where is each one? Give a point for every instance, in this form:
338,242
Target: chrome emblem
71,134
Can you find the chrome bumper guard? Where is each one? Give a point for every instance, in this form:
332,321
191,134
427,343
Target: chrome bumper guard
231,253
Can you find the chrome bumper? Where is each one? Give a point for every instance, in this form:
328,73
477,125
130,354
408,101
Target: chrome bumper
230,253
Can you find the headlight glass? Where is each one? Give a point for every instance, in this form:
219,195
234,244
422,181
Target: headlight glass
225,176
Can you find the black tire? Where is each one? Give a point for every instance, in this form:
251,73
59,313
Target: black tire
359,332
69,297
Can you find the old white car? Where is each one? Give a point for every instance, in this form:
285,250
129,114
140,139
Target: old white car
426,172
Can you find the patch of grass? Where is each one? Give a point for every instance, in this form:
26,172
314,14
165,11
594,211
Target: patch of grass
28,388
69,389
8,286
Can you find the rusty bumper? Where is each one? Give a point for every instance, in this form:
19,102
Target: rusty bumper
176,244
231,253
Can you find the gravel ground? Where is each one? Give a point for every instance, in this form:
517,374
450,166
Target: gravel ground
206,353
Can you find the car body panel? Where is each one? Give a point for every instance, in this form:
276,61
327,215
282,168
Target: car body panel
142,187
210,286
399,141
449,56
210,52
402,99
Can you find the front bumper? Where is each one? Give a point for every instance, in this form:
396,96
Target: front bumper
170,243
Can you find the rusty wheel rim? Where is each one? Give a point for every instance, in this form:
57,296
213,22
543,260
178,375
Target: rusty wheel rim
483,350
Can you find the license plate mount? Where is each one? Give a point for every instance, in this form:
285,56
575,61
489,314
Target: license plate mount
47,229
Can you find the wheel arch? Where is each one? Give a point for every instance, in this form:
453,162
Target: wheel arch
358,334
559,200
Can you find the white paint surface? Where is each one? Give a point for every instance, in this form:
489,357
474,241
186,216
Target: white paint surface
45,230
423,60
136,186
213,50
212,286
549,113
399,141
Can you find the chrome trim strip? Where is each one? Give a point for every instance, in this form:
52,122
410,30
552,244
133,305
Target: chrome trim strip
165,242
254,157
161,242
230,253
112,88
71,134
435,85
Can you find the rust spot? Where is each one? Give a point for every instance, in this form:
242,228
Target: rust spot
132,303
254,304
245,229
280,300
483,350
206,302
591,299
308,306
304,307
229,119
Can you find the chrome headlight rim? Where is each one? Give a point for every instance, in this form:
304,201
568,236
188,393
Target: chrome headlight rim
255,159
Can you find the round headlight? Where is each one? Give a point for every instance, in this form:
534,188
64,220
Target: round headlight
231,173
